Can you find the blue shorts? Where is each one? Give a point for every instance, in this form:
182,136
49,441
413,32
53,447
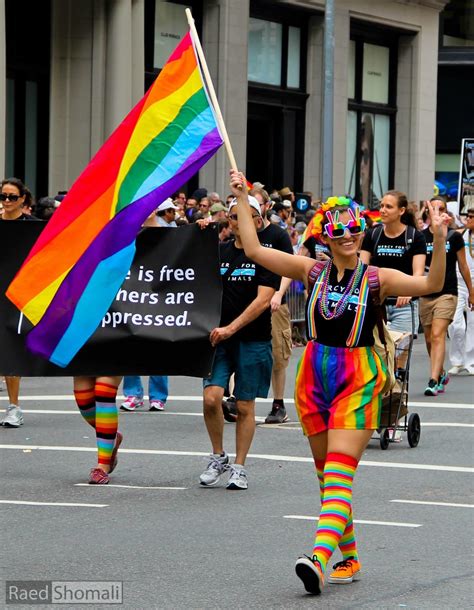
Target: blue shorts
251,361
400,319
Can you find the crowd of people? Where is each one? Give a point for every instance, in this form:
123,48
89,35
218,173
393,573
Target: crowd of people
424,271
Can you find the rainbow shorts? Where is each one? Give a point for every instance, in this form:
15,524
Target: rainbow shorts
339,388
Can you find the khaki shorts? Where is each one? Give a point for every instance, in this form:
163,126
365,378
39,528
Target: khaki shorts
281,337
442,307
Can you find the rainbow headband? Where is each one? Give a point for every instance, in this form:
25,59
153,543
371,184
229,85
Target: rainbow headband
315,227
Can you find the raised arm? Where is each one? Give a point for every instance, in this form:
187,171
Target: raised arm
396,283
281,263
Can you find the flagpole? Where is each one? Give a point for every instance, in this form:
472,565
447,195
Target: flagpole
211,90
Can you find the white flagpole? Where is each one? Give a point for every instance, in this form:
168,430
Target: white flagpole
211,90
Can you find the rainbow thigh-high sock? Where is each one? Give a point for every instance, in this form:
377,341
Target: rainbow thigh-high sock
85,400
347,543
106,420
336,507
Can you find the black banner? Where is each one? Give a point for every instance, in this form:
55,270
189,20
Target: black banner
159,322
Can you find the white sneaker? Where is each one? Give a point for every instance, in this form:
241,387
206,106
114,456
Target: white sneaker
238,477
456,369
216,467
157,405
13,417
469,370
131,403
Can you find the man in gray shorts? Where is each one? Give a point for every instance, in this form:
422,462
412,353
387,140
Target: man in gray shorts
243,342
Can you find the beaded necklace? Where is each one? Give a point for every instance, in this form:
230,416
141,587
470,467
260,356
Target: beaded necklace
323,301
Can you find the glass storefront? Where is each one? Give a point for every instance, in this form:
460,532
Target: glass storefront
370,120
277,42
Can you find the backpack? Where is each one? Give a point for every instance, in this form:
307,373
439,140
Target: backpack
383,341
376,234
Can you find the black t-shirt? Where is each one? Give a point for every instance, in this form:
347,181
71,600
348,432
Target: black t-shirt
336,332
454,243
394,252
241,278
314,246
22,217
277,238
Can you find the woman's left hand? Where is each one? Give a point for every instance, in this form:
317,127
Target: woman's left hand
439,222
402,301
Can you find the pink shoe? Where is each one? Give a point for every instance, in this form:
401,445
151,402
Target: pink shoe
157,405
131,403
98,477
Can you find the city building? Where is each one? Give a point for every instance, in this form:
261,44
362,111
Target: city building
72,70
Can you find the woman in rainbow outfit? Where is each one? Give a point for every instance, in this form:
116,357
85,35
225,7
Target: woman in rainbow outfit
340,376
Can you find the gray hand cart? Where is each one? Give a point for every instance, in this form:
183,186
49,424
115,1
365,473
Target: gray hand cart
395,416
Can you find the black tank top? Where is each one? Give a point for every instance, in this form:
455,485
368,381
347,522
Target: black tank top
336,332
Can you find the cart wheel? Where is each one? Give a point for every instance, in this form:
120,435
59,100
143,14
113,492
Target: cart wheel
384,438
414,429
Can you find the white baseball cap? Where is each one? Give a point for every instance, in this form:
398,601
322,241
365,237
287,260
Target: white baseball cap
252,201
167,205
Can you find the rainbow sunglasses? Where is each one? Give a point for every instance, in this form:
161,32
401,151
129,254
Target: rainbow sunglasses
335,229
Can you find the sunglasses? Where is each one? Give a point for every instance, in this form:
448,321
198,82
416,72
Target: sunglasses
5,196
335,229
235,217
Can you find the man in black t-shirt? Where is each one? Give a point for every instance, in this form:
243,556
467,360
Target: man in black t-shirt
243,341
437,310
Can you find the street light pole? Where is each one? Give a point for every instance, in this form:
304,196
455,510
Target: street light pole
328,102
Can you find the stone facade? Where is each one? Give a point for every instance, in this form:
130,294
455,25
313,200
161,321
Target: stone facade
97,66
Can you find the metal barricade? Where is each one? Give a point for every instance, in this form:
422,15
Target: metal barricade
296,301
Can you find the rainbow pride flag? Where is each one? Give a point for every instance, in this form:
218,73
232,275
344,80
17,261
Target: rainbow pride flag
80,260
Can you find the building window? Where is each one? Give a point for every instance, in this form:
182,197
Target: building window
457,24
375,74
264,52
294,56
165,27
274,54
351,70
371,118
277,45
170,27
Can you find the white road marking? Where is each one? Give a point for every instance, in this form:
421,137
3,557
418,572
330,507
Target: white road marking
74,411
178,398
256,456
126,486
440,405
25,503
287,425
360,521
432,424
453,504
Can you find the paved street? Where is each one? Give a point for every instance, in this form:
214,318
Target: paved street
176,545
